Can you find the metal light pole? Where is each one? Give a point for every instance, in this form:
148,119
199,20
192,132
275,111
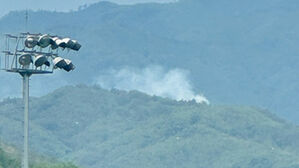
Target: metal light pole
28,58
26,116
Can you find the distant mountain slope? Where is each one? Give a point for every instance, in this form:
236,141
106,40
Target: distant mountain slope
238,52
100,128
11,158
7,160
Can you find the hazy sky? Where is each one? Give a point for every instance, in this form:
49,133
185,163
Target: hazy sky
58,5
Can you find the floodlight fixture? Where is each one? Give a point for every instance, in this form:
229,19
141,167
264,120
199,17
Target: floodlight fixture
40,60
62,63
69,65
71,44
76,46
59,42
54,45
44,41
59,62
68,42
31,42
26,60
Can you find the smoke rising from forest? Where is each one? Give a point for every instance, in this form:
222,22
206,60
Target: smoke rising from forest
152,80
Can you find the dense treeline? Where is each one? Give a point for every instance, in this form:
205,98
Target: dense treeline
7,161
11,161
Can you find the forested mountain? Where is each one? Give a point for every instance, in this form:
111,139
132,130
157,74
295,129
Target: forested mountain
99,128
237,52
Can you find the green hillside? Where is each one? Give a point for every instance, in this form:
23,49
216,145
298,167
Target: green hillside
100,128
7,160
10,158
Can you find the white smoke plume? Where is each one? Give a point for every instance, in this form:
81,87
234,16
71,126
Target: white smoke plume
152,80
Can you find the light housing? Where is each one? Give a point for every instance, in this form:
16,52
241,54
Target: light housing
71,44
40,60
53,43
25,59
76,45
68,42
31,42
69,65
60,43
59,62
44,41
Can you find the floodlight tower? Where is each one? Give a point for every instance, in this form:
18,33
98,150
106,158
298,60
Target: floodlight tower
35,54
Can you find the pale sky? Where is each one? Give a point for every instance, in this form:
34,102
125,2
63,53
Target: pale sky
59,5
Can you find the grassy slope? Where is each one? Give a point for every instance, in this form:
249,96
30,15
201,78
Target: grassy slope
10,158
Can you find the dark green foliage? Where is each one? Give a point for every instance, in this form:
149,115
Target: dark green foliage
51,165
99,128
9,160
